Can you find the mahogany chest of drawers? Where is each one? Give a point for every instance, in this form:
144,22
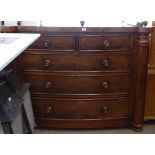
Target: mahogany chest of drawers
87,78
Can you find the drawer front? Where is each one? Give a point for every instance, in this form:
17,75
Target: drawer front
92,42
78,84
54,42
80,108
76,62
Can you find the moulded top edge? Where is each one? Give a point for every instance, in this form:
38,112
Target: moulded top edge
75,29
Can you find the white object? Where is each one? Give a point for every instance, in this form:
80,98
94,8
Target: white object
12,45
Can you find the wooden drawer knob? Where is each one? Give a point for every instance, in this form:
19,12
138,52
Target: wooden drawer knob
47,63
49,110
106,43
105,109
46,43
106,63
48,85
105,85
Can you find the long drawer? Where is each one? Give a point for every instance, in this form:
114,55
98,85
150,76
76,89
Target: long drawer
70,61
102,42
82,83
58,108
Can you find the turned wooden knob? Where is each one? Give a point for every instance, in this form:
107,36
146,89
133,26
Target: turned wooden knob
47,63
106,63
106,43
105,85
49,110
46,43
105,109
48,85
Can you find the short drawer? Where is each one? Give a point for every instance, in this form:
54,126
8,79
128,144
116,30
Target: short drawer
54,42
55,83
94,42
58,108
76,62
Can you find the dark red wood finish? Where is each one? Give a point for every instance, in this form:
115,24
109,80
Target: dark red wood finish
87,79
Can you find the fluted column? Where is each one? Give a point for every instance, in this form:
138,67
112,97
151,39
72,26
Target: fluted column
142,53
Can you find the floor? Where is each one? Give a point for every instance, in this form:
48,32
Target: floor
149,128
